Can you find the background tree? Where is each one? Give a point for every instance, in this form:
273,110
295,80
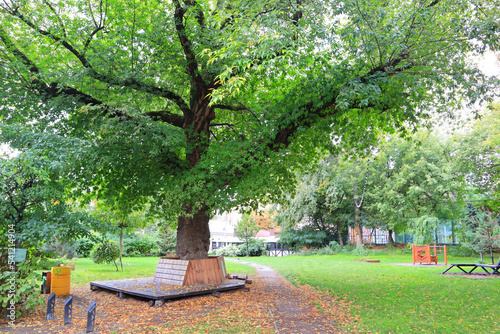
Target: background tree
121,218
106,252
479,157
32,202
480,231
419,184
405,184
186,102
246,229
265,218
487,233
318,211
32,199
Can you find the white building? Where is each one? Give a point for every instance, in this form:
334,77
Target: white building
222,229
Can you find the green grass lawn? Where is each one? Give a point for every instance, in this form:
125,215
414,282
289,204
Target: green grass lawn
133,267
398,299
387,297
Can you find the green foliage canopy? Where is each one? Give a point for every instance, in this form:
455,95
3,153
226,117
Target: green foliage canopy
32,200
479,155
106,252
186,102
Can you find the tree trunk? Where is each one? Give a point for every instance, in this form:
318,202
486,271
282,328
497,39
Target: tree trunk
341,242
193,234
357,226
247,240
121,246
391,239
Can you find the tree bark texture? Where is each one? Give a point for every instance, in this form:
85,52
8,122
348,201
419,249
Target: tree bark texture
193,234
357,226
391,238
339,231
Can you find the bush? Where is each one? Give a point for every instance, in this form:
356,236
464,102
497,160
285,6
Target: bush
106,252
140,247
347,249
335,247
84,247
461,251
325,251
256,247
229,251
242,250
26,285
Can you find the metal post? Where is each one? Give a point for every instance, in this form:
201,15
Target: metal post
51,304
91,317
68,311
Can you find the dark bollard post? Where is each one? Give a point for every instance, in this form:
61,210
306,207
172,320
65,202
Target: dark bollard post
68,311
51,304
91,317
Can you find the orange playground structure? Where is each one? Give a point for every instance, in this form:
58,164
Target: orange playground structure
424,254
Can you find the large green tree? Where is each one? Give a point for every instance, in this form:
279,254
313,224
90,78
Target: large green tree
32,202
479,156
419,184
246,229
187,102
318,211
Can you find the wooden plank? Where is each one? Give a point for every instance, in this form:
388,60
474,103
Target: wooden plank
178,266
209,269
171,267
173,262
170,271
193,272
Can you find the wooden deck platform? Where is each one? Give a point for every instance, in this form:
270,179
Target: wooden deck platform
154,291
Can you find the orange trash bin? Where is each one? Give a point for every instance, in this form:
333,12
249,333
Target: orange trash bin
60,281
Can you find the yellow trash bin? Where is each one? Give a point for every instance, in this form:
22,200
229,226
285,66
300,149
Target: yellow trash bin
60,281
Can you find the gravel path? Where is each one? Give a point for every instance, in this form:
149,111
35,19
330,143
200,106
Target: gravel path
290,309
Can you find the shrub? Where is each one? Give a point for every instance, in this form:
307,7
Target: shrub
460,251
242,250
335,247
256,247
44,263
84,247
140,247
106,252
26,285
347,249
306,252
229,251
325,251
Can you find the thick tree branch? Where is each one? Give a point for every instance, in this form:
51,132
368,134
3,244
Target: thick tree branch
192,64
200,16
167,117
61,24
289,127
129,83
54,90
222,124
